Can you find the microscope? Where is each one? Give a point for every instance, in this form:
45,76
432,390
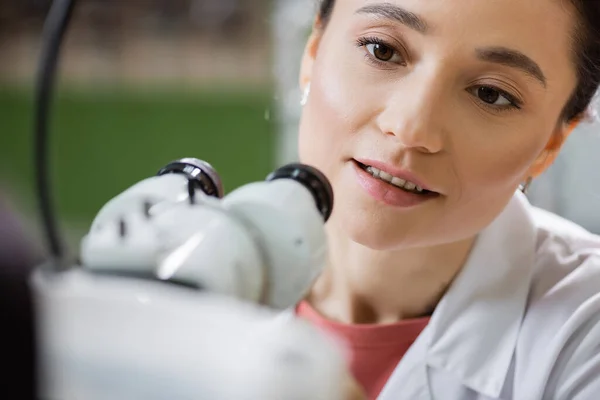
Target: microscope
184,294
179,291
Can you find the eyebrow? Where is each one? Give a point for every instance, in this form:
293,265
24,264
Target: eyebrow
499,55
512,58
398,14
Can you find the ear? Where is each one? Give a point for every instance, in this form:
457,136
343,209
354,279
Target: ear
310,53
550,152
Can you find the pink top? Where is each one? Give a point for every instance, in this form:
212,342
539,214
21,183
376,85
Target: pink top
373,350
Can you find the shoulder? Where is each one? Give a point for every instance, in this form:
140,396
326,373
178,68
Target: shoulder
566,271
560,335
567,262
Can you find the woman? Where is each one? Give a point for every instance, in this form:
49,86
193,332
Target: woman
427,117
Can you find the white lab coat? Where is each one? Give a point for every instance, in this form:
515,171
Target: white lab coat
520,322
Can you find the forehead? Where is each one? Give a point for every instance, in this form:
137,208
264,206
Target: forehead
503,18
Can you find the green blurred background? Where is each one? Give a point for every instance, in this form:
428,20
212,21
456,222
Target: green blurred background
104,141
141,83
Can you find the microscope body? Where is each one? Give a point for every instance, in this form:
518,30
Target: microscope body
184,294
112,338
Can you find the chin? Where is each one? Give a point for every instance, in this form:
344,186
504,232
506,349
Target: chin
361,228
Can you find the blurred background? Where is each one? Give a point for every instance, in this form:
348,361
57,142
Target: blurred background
143,82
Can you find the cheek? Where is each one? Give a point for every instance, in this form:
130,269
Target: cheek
488,167
499,162
317,139
485,181
331,117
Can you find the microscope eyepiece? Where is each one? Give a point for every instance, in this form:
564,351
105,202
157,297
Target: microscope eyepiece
311,178
200,174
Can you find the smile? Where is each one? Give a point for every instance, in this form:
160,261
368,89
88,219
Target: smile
403,184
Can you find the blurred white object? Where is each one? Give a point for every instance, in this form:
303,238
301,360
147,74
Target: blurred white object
110,338
264,242
179,294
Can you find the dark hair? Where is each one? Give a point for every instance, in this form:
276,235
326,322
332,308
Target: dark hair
325,10
586,42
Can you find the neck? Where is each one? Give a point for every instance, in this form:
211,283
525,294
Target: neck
362,285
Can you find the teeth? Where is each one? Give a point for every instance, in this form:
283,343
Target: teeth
401,183
385,176
398,182
373,171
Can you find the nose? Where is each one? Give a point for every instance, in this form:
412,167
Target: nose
413,114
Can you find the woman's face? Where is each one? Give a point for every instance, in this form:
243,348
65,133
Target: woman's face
459,97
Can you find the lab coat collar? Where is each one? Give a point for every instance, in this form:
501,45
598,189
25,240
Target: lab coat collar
474,329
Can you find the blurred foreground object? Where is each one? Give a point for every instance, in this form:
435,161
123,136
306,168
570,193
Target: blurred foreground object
180,294
18,256
114,338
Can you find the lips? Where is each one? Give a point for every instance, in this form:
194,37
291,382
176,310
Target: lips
395,177
384,192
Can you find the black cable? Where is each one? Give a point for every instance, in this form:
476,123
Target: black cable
55,26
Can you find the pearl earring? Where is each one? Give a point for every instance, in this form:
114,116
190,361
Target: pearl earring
305,94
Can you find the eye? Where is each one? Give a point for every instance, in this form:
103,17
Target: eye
495,97
492,96
379,51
